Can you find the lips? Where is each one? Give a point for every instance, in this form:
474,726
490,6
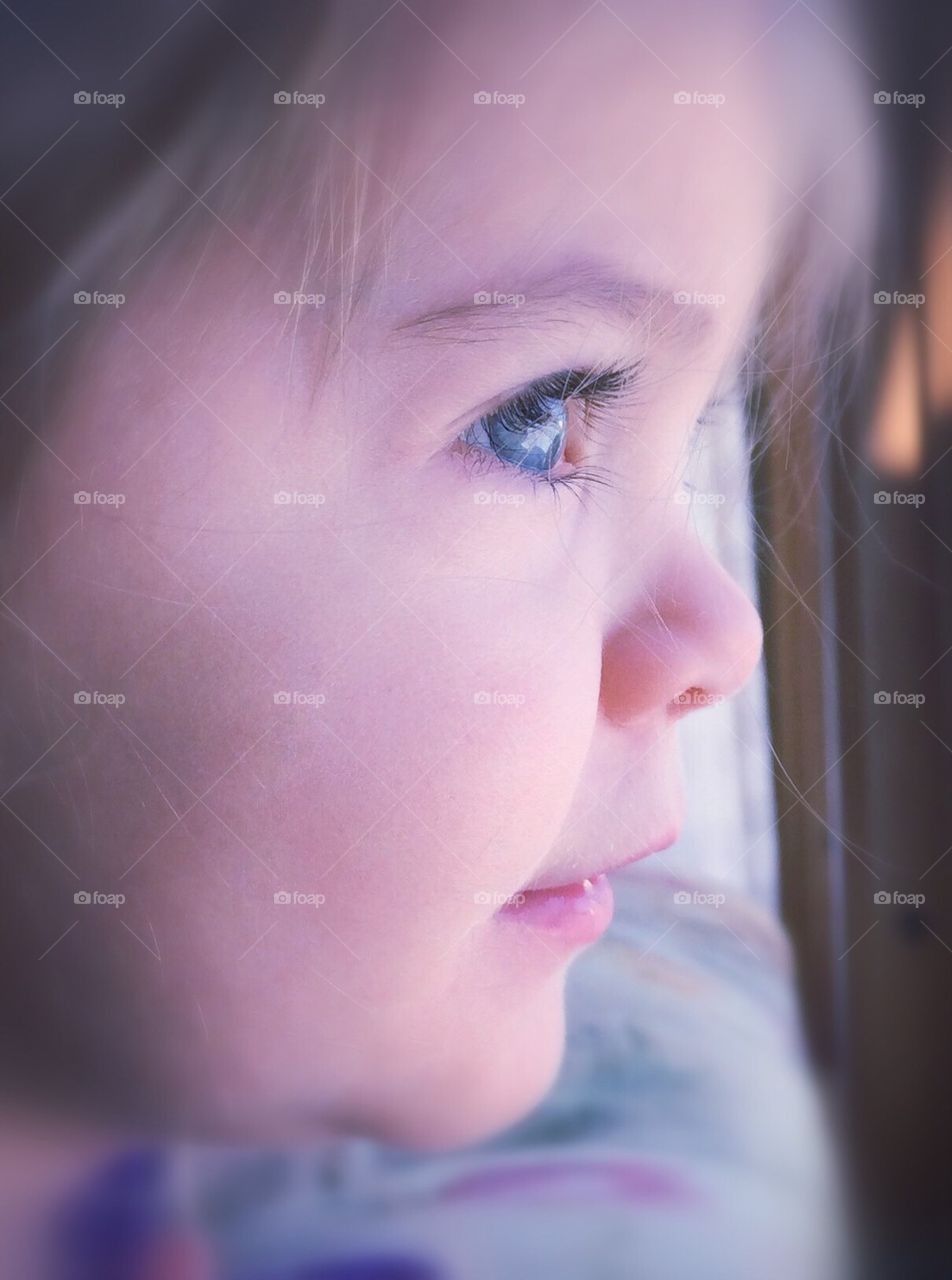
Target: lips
574,913
578,912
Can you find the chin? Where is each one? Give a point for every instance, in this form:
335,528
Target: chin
497,1072
453,1078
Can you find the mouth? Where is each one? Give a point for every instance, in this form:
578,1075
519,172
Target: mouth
576,913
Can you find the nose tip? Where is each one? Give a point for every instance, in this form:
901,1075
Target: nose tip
690,644
733,644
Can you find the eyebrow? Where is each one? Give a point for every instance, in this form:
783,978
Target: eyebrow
561,296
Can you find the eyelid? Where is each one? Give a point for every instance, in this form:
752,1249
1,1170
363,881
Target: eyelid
489,407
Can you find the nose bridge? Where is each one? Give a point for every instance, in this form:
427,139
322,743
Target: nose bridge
689,638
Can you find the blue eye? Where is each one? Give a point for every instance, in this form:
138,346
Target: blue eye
528,431
531,431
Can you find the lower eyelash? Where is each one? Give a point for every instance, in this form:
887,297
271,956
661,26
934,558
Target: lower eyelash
579,481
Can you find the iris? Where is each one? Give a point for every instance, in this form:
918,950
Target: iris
528,431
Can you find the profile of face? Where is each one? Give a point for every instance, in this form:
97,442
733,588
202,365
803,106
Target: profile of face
368,649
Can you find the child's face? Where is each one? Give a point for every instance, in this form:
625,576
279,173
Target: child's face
483,668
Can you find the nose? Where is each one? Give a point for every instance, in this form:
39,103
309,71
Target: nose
690,639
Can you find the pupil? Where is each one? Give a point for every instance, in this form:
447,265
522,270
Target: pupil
529,434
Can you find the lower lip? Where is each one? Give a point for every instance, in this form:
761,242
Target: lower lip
576,914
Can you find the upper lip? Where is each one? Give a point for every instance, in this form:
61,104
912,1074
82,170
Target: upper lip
559,877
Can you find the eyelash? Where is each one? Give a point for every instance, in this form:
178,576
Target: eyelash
598,391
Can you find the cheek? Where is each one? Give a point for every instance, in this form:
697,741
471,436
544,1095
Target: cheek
421,756
433,777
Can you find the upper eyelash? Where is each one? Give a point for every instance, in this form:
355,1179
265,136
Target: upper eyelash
605,387
596,387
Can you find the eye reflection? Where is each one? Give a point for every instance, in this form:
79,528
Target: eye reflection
528,431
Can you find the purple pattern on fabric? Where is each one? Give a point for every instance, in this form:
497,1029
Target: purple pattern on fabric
642,1183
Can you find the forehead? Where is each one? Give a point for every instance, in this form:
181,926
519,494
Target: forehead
492,141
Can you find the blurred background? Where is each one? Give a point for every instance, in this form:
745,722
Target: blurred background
856,592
